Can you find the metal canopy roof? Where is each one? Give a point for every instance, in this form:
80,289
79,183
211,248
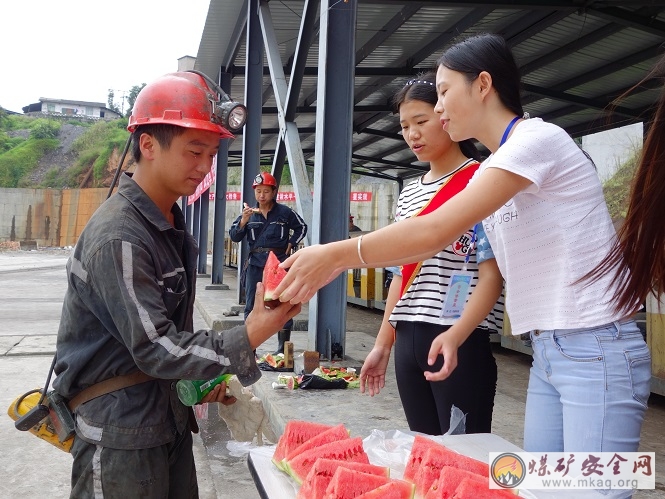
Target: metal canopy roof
575,56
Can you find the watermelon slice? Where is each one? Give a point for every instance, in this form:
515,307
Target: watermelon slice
295,434
272,276
331,435
317,480
472,489
439,457
435,458
395,489
449,478
349,484
350,449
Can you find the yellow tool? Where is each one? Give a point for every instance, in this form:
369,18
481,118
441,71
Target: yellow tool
42,427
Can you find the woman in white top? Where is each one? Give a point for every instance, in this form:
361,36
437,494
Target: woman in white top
543,210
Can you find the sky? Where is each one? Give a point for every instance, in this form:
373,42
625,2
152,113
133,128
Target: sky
79,49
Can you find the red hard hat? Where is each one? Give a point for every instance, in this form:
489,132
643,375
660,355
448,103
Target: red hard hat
264,178
182,99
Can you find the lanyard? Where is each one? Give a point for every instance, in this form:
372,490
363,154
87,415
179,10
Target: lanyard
508,129
468,253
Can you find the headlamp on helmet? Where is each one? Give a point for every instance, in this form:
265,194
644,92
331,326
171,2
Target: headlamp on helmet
264,178
226,112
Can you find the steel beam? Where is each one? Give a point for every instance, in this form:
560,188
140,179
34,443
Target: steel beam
251,137
203,232
219,222
332,165
289,137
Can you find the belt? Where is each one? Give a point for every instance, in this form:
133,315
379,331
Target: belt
267,250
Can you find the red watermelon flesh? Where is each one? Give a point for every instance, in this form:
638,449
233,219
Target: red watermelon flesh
350,449
317,480
472,489
395,489
449,478
440,456
435,458
349,484
331,435
272,276
420,445
295,434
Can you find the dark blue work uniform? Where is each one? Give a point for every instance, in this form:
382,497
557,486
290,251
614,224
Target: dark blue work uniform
282,227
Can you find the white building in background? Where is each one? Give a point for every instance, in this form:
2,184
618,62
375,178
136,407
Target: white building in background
611,148
71,108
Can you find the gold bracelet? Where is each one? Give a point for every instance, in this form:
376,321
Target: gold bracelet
360,240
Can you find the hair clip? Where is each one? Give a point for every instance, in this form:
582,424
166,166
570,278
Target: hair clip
526,116
425,82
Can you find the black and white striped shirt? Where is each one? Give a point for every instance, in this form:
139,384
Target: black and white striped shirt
424,299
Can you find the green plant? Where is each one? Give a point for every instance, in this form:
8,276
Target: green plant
617,188
53,179
44,129
16,163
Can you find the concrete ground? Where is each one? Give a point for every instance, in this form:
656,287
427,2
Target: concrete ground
33,284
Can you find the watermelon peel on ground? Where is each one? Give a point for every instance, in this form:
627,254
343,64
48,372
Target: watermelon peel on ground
272,276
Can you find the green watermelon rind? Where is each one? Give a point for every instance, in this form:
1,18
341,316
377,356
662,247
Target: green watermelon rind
350,449
294,431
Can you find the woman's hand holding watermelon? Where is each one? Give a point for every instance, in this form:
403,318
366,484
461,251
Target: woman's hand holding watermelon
263,322
312,268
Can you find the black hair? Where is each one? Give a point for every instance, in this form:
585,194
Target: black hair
487,52
423,88
164,134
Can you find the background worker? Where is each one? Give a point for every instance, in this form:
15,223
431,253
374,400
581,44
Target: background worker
268,226
353,227
128,309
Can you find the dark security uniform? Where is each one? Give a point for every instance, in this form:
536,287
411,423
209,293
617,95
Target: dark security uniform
128,307
283,226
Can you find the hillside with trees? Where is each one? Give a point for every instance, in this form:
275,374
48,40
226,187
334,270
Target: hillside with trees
59,153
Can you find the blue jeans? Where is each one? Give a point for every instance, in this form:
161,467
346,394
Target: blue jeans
588,389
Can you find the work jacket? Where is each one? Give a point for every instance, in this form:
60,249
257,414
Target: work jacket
283,226
128,307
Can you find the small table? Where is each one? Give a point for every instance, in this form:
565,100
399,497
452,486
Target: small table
392,449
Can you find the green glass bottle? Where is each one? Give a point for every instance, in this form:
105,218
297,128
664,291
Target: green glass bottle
191,392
